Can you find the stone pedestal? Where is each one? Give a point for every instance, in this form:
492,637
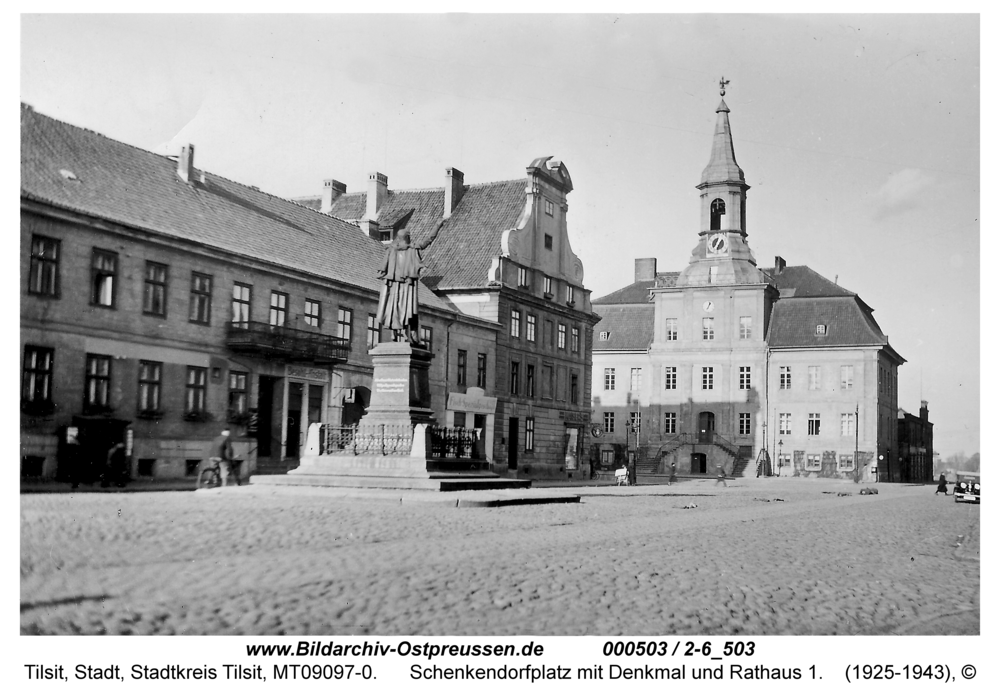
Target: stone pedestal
400,385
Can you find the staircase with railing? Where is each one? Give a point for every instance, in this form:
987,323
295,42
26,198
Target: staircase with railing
741,454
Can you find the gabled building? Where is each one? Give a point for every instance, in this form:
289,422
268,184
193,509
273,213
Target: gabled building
725,363
161,303
504,256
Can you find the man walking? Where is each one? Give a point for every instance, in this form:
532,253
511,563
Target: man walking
221,455
720,476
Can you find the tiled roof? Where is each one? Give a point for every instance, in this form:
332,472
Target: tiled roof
847,321
133,187
629,327
803,281
462,254
638,292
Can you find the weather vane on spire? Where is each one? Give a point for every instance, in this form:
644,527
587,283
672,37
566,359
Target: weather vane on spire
722,86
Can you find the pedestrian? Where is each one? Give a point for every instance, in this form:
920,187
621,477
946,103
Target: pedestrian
673,473
221,455
942,486
115,469
720,476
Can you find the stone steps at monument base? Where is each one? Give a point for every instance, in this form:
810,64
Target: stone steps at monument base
443,484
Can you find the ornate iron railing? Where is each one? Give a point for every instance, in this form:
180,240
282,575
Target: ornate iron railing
452,443
381,440
290,343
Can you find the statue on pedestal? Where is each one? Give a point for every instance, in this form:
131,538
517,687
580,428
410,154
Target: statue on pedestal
397,303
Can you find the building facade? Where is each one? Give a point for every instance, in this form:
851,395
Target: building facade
728,364
916,446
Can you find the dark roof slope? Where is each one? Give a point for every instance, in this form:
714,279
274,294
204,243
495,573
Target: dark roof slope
629,327
638,292
140,189
847,321
803,281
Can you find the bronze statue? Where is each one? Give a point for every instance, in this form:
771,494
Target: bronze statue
400,273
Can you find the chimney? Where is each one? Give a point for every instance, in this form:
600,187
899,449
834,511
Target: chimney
378,191
454,187
332,189
645,269
923,410
779,265
185,163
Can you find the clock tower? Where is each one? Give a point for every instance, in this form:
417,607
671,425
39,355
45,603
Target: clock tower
722,255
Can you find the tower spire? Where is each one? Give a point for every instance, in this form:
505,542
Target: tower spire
722,166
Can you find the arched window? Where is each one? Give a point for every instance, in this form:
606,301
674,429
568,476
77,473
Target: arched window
718,213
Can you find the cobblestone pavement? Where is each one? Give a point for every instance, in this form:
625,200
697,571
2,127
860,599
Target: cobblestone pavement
761,557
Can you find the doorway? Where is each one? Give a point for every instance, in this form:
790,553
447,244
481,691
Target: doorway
699,463
706,426
265,416
293,433
512,444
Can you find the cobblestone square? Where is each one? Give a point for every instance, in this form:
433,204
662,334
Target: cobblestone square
761,557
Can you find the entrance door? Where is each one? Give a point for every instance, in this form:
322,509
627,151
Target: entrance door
706,427
699,463
265,404
512,444
293,433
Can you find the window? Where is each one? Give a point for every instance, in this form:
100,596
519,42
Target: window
784,460
607,457
570,294
713,274
814,378
463,358
708,328
609,423
515,323
813,462
670,382
574,388
574,340
149,385
345,320
529,381
784,378
103,270
279,309
847,377
529,434
604,335
670,423
813,424
635,420
562,336
43,274
746,328
374,331
427,337
635,379
154,291
522,277
745,378
515,378
312,313
548,210
671,329
707,378
609,378
846,462
820,329
201,299
481,370
784,423
241,305
547,286
459,420
847,424
548,241
194,394
237,393
548,381
529,329
97,389
744,424
36,379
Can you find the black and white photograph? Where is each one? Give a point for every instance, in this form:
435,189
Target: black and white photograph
662,329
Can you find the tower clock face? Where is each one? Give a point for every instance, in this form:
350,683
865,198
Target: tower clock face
708,306
718,244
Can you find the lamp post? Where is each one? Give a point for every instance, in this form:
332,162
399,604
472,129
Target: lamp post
780,444
631,453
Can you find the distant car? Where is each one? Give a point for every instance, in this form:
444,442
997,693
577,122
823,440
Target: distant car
968,487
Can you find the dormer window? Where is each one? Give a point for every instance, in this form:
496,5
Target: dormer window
547,286
570,295
548,208
522,277
718,214
605,335
820,329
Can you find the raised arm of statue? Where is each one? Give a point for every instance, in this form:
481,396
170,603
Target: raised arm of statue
429,240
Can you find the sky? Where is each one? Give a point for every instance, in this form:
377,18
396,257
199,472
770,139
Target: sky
858,134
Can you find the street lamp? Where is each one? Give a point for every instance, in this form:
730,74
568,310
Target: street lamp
780,444
632,454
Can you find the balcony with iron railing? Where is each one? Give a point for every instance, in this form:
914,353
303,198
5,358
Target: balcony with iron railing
257,338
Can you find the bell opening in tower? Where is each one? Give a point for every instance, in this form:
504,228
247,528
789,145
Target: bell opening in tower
718,214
